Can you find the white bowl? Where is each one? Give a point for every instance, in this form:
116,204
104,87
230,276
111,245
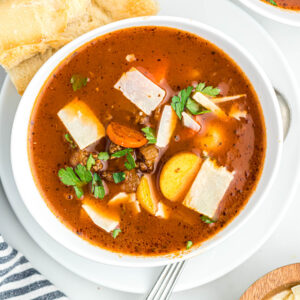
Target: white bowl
38,208
285,16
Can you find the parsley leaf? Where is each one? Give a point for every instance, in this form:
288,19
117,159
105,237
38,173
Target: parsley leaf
116,232
83,173
178,102
103,155
272,2
150,135
195,108
97,187
68,177
78,191
90,162
130,163
119,177
189,244
207,220
70,141
121,152
207,90
78,81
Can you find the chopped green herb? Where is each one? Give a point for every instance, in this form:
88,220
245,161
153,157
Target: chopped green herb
121,152
272,2
189,244
195,108
97,187
68,177
207,90
78,191
130,163
83,173
119,177
99,192
90,162
116,232
78,81
70,141
150,135
178,102
103,155
207,220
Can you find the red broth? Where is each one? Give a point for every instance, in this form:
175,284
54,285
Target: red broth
286,4
180,59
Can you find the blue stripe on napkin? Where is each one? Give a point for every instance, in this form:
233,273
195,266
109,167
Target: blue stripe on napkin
19,281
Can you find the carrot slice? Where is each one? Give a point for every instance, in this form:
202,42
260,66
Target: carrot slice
125,136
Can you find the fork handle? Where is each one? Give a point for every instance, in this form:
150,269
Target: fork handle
166,281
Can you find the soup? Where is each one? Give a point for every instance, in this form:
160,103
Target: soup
147,141
287,4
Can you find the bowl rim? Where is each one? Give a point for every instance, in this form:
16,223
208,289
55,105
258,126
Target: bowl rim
22,120
281,15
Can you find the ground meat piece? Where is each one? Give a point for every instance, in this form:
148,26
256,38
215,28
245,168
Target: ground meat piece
107,176
132,181
141,118
81,157
149,154
98,164
141,166
114,148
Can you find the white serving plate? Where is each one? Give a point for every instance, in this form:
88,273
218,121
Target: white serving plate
52,225
205,268
277,14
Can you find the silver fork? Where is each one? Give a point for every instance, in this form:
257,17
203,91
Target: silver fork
166,281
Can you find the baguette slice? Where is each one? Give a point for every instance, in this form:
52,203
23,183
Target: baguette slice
32,30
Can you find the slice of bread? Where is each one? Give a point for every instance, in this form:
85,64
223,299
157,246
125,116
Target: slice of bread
32,30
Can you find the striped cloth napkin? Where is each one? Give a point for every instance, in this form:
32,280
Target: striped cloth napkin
19,281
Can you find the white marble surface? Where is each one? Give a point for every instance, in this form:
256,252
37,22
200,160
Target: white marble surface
282,248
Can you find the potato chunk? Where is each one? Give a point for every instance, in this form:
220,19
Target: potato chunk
145,195
163,211
167,126
178,173
82,123
127,199
208,188
213,139
103,219
140,90
207,103
189,122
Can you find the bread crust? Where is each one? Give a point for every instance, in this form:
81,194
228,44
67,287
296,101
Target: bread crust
32,30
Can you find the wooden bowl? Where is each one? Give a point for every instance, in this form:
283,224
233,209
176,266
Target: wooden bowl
273,282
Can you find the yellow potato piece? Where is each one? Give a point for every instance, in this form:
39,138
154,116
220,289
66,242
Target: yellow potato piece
178,174
213,139
145,195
